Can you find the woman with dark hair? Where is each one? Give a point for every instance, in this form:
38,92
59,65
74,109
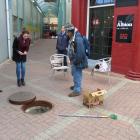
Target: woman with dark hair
20,49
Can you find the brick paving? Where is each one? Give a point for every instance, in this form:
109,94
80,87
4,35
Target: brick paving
122,99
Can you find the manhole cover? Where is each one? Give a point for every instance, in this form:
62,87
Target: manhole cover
21,98
37,107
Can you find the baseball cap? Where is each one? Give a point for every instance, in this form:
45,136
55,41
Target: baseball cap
69,27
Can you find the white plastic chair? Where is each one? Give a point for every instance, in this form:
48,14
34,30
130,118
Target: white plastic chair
103,66
57,63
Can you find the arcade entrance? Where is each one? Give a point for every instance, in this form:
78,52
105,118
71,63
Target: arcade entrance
100,31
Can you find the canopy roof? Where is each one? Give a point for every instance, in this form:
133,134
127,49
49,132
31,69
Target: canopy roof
48,7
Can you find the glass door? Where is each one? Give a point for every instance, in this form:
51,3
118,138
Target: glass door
100,31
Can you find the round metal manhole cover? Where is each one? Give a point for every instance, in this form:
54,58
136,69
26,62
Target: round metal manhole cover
37,107
22,98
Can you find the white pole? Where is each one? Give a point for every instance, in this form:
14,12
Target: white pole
8,29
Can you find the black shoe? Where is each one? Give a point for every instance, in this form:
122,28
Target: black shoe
0,90
72,87
18,83
23,82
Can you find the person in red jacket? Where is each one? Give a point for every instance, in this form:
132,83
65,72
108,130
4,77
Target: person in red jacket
20,50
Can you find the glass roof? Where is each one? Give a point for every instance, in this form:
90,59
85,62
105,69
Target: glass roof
48,7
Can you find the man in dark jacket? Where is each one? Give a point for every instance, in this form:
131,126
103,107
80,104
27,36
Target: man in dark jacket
62,44
78,58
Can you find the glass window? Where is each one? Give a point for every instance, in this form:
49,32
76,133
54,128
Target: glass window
124,3
100,31
15,23
20,24
100,2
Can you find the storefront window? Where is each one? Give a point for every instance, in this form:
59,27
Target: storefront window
100,2
100,31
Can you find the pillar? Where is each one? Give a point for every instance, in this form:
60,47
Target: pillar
134,71
79,15
126,55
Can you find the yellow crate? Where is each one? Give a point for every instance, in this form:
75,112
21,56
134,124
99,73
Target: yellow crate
91,99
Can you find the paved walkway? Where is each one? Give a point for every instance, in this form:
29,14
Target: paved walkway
122,99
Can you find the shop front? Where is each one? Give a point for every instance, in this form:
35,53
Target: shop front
112,27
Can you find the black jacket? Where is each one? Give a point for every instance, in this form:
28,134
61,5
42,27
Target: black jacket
62,42
16,56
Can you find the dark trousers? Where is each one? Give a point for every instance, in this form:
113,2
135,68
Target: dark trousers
65,58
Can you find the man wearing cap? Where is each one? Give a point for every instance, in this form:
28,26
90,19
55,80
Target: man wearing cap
77,56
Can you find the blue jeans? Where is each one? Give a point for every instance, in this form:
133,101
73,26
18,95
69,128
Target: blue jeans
77,78
20,70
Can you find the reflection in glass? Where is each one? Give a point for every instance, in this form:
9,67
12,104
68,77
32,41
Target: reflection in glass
100,2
